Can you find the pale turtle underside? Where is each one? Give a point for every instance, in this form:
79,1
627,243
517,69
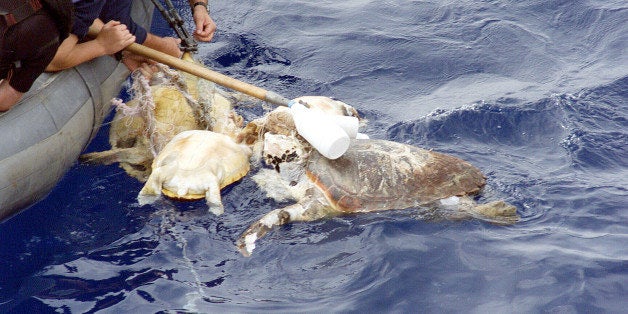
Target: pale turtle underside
175,102
194,165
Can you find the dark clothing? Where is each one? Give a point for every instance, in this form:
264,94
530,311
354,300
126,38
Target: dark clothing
62,12
86,11
26,48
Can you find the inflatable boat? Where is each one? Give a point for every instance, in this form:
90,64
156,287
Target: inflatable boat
43,135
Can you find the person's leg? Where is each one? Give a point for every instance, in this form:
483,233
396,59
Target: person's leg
8,96
30,56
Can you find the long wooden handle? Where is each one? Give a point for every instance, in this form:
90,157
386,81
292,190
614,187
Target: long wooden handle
201,71
213,76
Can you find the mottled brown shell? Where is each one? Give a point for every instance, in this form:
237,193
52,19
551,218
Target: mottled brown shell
378,174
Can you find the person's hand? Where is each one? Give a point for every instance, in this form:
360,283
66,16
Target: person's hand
114,36
134,62
148,70
205,26
170,45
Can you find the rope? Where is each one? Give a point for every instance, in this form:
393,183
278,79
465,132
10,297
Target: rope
141,91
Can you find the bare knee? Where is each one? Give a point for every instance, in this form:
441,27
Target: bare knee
8,96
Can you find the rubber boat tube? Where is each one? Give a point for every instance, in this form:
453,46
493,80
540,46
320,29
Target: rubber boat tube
42,136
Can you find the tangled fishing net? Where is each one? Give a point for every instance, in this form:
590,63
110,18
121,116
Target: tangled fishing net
167,103
164,103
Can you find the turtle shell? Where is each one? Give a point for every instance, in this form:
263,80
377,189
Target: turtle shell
379,174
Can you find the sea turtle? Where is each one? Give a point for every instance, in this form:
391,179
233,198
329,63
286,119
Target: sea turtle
139,131
196,164
373,175
280,121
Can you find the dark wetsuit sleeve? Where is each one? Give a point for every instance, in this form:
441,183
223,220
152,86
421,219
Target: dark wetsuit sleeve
85,12
120,10
33,54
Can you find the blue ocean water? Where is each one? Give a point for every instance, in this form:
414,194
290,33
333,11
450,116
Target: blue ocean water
534,93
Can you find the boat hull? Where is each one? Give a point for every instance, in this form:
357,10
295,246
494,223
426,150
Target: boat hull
43,135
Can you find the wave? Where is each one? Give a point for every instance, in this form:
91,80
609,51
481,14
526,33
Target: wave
550,148
591,126
412,57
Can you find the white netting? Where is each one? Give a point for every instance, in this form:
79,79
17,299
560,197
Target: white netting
164,102
160,129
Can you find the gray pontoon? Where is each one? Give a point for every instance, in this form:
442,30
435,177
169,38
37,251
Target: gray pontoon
43,135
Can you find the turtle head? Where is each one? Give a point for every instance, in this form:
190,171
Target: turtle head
280,149
327,105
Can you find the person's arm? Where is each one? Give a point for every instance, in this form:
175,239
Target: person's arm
205,26
112,38
169,45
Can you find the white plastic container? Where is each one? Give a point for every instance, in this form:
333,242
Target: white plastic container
349,124
327,137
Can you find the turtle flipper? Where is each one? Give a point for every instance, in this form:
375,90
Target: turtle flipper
277,217
307,211
151,190
212,196
132,155
497,212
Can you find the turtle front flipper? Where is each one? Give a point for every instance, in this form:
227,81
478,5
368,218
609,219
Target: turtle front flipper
304,211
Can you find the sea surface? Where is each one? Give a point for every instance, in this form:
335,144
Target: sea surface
534,93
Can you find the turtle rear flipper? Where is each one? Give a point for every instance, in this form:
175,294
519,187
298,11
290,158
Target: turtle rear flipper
131,155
